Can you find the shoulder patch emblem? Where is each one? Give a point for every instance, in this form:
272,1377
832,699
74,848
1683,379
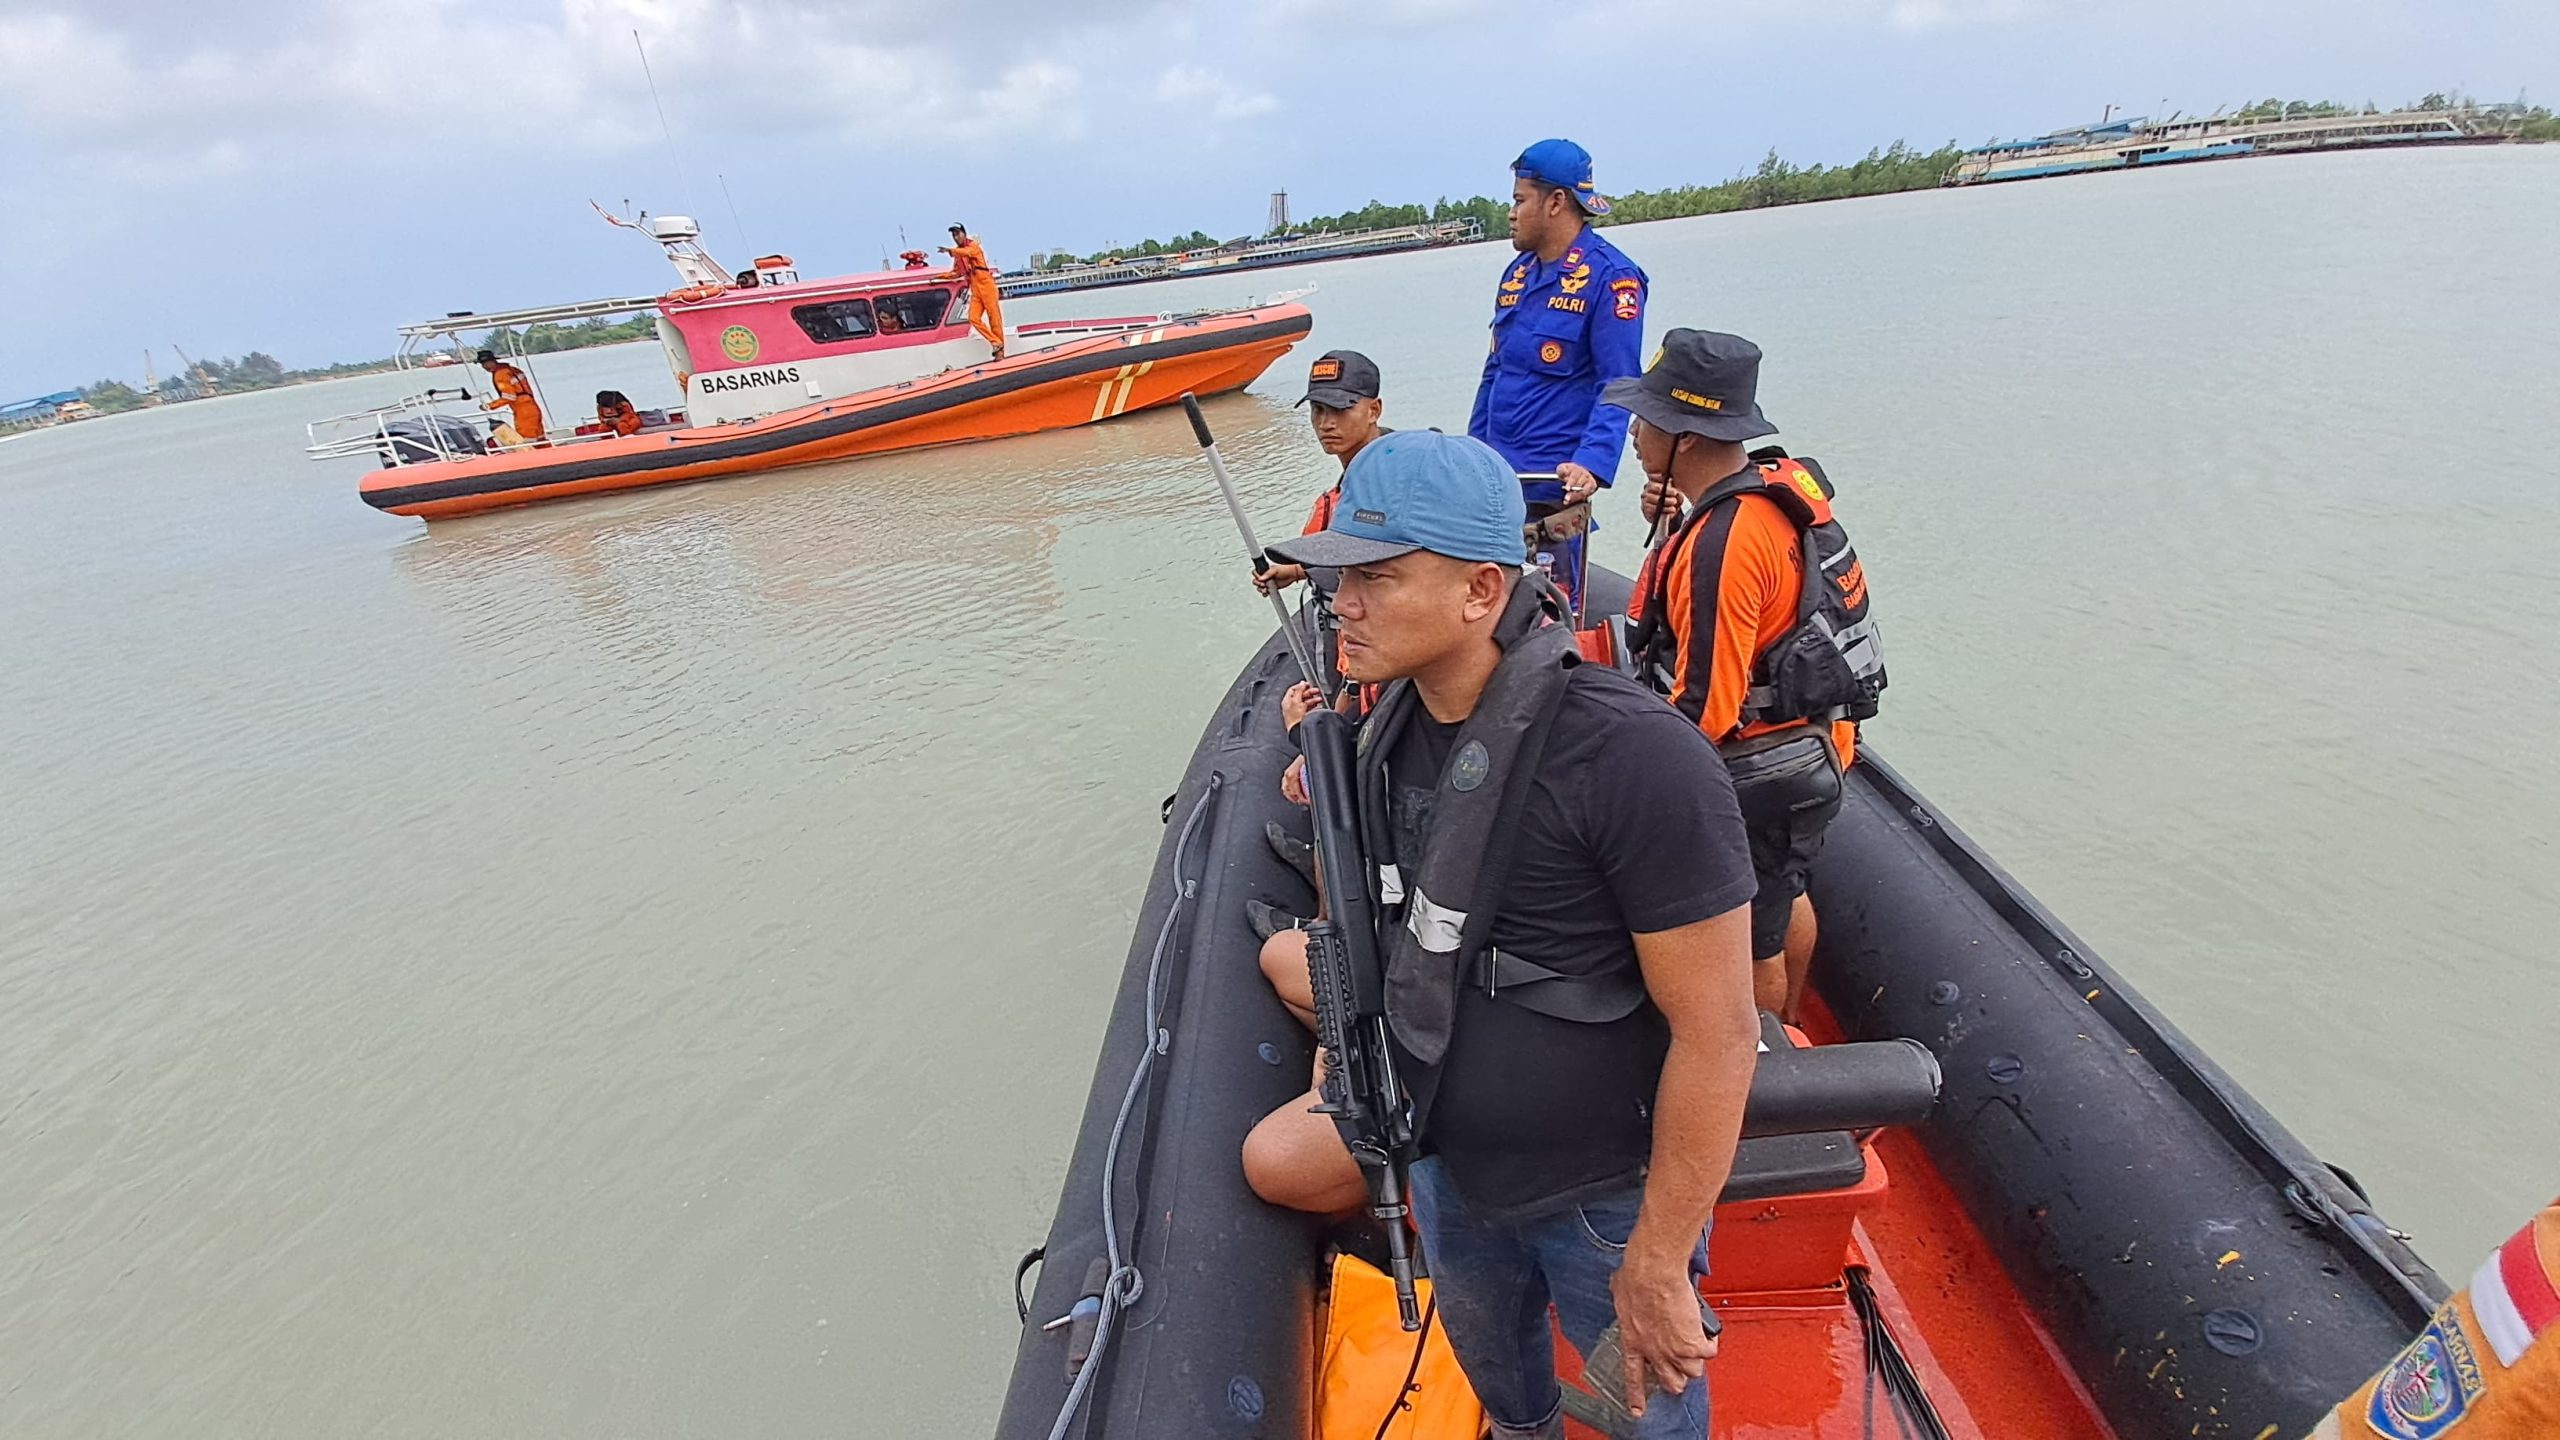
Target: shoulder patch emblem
2430,1386
1628,294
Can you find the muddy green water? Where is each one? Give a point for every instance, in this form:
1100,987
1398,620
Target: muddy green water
632,968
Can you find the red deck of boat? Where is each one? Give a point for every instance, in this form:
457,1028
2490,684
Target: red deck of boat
1792,1363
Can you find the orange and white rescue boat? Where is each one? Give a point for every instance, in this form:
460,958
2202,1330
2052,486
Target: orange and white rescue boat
777,371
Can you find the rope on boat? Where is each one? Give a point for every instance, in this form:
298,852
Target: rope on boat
1124,1284
1914,1417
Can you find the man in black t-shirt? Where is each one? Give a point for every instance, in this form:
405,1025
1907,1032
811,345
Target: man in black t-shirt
1569,977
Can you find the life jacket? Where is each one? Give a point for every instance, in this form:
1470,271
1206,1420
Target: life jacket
1321,517
1831,663
1439,884
2486,1367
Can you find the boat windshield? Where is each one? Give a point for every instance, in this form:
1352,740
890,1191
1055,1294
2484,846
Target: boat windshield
900,312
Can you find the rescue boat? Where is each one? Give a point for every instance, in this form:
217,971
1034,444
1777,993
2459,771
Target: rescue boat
2088,1230
777,371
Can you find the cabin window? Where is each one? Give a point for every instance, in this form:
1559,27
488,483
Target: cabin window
959,309
912,310
836,321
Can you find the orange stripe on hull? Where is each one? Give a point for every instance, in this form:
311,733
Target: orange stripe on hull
1054,388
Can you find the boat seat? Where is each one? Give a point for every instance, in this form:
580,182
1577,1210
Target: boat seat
1795,1165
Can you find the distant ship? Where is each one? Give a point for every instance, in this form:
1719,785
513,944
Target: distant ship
2134,143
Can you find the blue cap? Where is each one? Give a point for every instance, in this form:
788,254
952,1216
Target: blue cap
1419,490
1566,165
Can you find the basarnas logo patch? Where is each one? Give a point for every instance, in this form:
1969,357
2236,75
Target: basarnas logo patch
2430,1386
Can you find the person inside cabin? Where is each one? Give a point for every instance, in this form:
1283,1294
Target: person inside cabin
986,305
886,316
1577,1010
1777,678
616,414
515,396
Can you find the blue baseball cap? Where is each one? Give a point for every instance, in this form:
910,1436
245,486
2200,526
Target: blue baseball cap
1563,164
1414,490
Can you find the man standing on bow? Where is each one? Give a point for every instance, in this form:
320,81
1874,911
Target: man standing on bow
986,307
1568,318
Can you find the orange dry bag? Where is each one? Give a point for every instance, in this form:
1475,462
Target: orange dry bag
1368,1355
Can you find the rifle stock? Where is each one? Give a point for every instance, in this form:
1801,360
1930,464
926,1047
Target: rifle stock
1346,970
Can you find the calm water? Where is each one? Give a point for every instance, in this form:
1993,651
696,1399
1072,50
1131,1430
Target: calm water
631,968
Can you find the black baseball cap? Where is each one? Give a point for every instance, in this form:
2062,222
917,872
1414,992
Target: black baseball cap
1341,379
959,229
1701,382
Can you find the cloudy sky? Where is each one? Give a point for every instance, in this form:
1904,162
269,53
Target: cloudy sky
299,176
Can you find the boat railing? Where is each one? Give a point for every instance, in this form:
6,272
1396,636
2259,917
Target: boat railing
371,433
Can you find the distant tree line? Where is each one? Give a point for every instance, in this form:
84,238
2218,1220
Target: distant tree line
258,370
2525,122
1774,182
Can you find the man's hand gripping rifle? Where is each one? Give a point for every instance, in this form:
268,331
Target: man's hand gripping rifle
1346,969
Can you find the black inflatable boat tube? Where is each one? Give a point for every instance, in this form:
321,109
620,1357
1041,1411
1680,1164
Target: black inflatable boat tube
2204,1273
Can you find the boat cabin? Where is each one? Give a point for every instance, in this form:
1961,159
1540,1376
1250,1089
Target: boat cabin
748,351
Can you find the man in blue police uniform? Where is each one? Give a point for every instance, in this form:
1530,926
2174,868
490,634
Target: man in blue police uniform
1567,320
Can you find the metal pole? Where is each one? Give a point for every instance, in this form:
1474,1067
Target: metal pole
1253,548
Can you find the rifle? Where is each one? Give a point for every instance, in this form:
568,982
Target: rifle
1346,970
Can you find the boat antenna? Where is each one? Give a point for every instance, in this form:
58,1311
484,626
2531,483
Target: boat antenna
674,159
733,211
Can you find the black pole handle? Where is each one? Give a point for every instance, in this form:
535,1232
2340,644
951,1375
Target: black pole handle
1199,422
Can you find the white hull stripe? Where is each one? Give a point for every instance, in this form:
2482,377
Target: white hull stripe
2513,1299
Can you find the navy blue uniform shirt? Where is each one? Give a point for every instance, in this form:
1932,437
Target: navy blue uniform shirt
1560,332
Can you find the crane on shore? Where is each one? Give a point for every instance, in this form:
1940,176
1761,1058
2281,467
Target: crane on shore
151,381
198,379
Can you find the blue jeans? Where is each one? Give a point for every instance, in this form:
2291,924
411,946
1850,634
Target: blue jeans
1494,1283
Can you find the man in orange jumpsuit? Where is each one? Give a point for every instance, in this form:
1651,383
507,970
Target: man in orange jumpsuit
986,308
1777,674
515,395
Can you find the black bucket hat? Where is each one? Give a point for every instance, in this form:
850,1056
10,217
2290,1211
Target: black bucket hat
1701,382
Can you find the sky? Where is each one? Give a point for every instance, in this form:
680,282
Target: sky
301,176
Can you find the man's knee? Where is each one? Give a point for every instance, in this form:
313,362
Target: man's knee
1297,1161
1284,964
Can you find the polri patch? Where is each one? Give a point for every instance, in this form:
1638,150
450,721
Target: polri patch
2429,1387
